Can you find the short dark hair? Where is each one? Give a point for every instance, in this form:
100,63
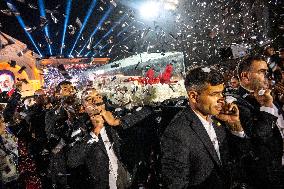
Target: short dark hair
65,82
197,78
245,65
7,72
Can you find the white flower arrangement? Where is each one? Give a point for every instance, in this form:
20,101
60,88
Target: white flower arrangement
130,93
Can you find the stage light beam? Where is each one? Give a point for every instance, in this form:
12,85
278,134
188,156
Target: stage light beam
67,13
42,14
23,25
90,10
97,27
108,33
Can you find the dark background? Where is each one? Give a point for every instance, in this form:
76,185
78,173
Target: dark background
201,29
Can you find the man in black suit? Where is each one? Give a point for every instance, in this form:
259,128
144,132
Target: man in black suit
261,122
195,152
100,150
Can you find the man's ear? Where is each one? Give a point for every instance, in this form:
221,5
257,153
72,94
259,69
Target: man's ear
192,96
244,76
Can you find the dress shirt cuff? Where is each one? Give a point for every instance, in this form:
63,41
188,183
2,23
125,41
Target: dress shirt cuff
239,134
267,109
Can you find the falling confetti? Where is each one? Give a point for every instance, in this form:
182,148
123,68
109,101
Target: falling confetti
55,20
32,6
200,29
78,22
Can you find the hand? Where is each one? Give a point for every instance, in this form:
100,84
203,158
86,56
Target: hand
98,123
109,118
264,100
230,115
97,120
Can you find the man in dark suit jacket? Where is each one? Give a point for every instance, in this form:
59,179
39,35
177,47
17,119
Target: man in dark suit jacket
194,146
259,119
99,152
92,155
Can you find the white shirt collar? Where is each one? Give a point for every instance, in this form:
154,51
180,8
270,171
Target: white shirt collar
251,91
204,121
95,138
102,131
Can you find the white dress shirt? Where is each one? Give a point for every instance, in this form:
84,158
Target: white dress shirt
211,132
113,165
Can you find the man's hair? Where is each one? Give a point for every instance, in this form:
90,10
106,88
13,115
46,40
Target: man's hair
245,65
65,82
198,78
7,72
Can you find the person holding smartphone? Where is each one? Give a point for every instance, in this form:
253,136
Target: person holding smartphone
196,146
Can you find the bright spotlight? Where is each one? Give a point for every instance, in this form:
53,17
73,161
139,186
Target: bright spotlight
150,9
170,4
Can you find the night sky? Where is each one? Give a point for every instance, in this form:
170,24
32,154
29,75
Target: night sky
200,29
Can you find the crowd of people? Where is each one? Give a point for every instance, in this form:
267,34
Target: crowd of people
226,134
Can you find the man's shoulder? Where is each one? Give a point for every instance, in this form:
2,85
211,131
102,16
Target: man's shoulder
180,121
180,117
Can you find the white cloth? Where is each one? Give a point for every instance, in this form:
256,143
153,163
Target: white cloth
113,165
211,132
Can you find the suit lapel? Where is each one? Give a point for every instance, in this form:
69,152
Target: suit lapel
202,134
221,135
114,139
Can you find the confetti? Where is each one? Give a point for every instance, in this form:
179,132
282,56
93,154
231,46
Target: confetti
43,21
78,22
32,6
71,29
113,3
55,20
7,12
